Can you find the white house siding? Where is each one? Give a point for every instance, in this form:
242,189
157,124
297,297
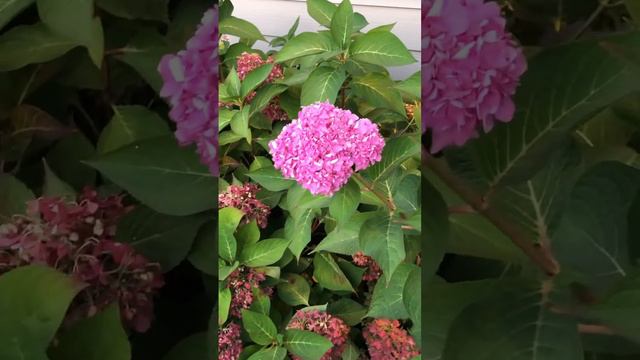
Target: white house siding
275,17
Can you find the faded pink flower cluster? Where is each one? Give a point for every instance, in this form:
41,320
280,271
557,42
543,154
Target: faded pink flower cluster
320,322
229,343
373,271
191,86
242,282
77,238
387,340
322,146
246,63
244,198
470,69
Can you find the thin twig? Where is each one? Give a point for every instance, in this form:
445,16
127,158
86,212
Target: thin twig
537,252
369,186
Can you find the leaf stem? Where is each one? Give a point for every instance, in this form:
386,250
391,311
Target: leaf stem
369,186
538,253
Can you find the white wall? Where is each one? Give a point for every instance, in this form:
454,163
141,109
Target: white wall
275,17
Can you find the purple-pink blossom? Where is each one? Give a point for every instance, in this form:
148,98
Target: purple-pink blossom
327,325
387,340
229,343
470,69
321,148
191,87
78,239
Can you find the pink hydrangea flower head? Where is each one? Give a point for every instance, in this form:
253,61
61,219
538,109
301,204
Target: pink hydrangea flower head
321,148
322,323
244,198
77,238
191,87
373,271
471,67
387,340
229,343
242,282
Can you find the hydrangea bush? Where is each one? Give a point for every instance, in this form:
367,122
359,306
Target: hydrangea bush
319,205
108,165
531,173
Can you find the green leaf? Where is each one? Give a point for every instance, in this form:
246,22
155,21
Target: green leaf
161,238
412,298
328,274
300,199
620,308
195,347
295,291
515,151
383,240
224,118
411,86
396,151
597,223
233,83
264,95
634,9
66,159
342,24
143,53
139,9
203,253
271,179
345,238
387,300
167,178
307,43
274,353
264,252
228,220
322,85
261,302
128,125
224,302
186,18
321,11
345,202
96,338
348,310
473,235
407,194
378,90
10,8
445,302
351,352
381,48
14,196
240,28
34,302
528,330
306,344
298,231
259,327
248,234
240,124
29,44
255,78
224,271
55,187
74,19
